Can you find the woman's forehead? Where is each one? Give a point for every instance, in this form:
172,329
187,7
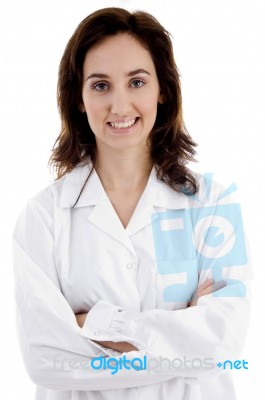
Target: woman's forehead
119,51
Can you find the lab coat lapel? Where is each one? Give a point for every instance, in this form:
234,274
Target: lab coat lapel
141,216
156,197
105,218
103,214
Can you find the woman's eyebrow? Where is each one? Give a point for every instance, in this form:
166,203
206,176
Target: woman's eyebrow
131,73
138,71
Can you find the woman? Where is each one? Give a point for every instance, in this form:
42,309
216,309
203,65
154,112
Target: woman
118,257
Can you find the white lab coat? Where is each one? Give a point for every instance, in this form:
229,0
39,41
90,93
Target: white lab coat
70,260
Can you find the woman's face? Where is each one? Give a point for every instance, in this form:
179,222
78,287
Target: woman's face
120,93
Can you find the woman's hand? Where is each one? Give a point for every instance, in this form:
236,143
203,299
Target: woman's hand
80,319
122,347
209,286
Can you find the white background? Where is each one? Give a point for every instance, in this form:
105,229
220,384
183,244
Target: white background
219,49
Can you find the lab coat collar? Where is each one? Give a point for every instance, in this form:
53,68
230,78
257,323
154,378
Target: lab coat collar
156,197
156,193
162,196
92,193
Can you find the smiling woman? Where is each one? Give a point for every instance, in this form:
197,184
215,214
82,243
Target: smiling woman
116,256
124,36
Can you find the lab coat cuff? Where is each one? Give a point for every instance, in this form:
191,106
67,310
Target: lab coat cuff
98,321
122,326
107,322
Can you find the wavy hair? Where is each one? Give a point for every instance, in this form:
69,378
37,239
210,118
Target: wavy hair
171,146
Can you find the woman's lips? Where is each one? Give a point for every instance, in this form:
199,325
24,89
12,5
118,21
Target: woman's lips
123,124
123,127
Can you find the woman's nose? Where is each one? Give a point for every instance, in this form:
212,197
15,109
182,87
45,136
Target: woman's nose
120,102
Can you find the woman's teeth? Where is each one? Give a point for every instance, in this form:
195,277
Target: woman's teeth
122,125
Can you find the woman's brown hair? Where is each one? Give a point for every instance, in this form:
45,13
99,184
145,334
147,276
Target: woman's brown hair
171,146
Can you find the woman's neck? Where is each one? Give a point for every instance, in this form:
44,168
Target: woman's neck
123,174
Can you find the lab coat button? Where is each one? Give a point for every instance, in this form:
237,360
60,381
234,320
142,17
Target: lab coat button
132,266
97,333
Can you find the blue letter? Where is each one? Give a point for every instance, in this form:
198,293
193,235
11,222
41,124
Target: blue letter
95,359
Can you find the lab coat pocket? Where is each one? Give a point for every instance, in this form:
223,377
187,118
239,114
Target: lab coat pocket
177,280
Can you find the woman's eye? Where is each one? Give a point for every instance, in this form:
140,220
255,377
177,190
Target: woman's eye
100,86
137,83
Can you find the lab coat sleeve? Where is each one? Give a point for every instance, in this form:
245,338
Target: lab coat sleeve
55,351
211,332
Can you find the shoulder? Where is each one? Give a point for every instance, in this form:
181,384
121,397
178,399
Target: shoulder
38,211
48,197
211,191
53,195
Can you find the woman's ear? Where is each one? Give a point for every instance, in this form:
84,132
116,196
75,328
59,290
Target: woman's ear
82,108
161,98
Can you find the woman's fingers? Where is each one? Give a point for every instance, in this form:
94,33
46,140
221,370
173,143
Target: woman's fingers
211,288
218,285
207,287
206,284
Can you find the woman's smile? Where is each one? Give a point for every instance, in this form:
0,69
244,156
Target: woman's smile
125,127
